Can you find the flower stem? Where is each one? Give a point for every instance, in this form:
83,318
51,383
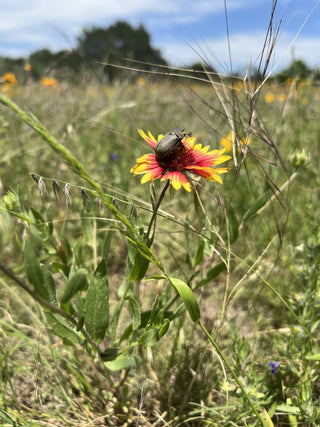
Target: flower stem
155,211
236,378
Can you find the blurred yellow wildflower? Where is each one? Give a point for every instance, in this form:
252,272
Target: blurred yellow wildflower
289,81
27,67
10,79
49,81
270,97
282,97
239,86
141,81
6,88
227,142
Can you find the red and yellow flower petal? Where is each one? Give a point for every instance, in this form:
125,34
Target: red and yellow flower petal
150,176
177,179
148,165
211,158
144,162
211,174
150,139
151,136
219,157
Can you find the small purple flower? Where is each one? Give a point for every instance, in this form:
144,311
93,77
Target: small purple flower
114,156
273,367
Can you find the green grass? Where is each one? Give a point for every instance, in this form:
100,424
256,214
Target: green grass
261,306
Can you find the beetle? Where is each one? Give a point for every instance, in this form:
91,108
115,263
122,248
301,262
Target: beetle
167,145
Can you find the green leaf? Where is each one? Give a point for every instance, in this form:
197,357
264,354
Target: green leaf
22,216
156,277
154,311
106,245
158,320
233,224
97,304
49,285
38,218
64,250
36,234
199,253
33,269
212,274
80,311
148,318
115,319
187,297
149,337
288,409
62,329
314,357
315,325
123,361
164,327
135,312
76,283
140,267
272,409
109,354
178,312
251,212
6,417
61,268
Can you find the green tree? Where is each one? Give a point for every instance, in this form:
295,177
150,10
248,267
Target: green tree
115,43
13,65
297,69
63,62
40,61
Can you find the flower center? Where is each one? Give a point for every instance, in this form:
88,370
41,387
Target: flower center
178,160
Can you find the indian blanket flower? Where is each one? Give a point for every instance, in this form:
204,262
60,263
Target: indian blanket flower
186,157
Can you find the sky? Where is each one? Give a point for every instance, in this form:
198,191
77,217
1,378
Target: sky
185,31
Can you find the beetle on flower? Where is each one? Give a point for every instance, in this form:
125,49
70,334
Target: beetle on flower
182,157
169,144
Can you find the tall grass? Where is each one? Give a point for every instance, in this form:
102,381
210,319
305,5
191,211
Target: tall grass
179,328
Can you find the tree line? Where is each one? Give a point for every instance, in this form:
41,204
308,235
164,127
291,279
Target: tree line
112,45
95,45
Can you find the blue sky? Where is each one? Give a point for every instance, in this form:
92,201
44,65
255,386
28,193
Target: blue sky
184,30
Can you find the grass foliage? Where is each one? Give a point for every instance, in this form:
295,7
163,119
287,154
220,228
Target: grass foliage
211,321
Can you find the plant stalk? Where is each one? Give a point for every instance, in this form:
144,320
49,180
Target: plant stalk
155,211
234,375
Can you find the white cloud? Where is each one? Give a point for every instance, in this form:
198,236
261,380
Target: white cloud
43,23
30,25
20,12
20,15
245,51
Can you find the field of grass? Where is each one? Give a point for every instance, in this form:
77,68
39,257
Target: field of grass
211,321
